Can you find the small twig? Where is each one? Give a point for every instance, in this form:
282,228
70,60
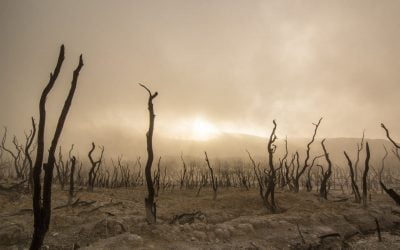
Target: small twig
301,235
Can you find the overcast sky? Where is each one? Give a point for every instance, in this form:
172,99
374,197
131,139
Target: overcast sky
232,65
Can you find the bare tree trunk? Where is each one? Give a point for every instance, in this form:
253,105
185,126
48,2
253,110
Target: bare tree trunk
269,197
42,207
95,167
325,176
71,180
28,155
150,205
365,175
299,172
354,186
214,180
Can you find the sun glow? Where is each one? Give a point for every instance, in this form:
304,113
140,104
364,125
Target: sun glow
202,129
195,128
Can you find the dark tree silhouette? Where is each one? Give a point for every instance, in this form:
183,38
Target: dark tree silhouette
299,172
214,180
71,180
323,192
269,196
395,196
354,186
95,166
150,204
16,156
364,177
28,145
42,204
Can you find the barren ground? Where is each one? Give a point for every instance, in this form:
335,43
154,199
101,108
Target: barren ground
114,219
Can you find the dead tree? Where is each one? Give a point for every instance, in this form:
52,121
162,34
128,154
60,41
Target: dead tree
299,172
309,186
365,175
16,156
354,186
395,196
71,180
396,145
150,204
214,180
323,192
184,170
360,147
28,145
62,169
42,205
269,196
95,166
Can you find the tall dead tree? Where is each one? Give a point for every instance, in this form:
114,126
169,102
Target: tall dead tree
267,180
323,191
150,204
269,196
299,172
95,166
42,202
354,186
364,177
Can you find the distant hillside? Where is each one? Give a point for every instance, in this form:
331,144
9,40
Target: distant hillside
227,146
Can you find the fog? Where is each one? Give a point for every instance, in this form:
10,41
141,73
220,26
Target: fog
223,66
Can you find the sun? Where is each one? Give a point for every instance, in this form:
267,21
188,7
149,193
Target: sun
201,129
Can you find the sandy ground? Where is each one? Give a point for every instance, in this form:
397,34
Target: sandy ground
114,219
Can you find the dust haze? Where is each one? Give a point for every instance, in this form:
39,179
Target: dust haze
235,65
190,124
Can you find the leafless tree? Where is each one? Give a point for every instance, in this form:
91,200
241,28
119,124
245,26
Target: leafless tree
323,191
267,179
269,196
150,204
214,179
42,205
365,175
29,141
16,156
354,186
395,196
299,172
360,147
95,166
71,180
309,186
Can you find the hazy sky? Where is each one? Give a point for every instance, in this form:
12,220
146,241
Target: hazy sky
219,66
